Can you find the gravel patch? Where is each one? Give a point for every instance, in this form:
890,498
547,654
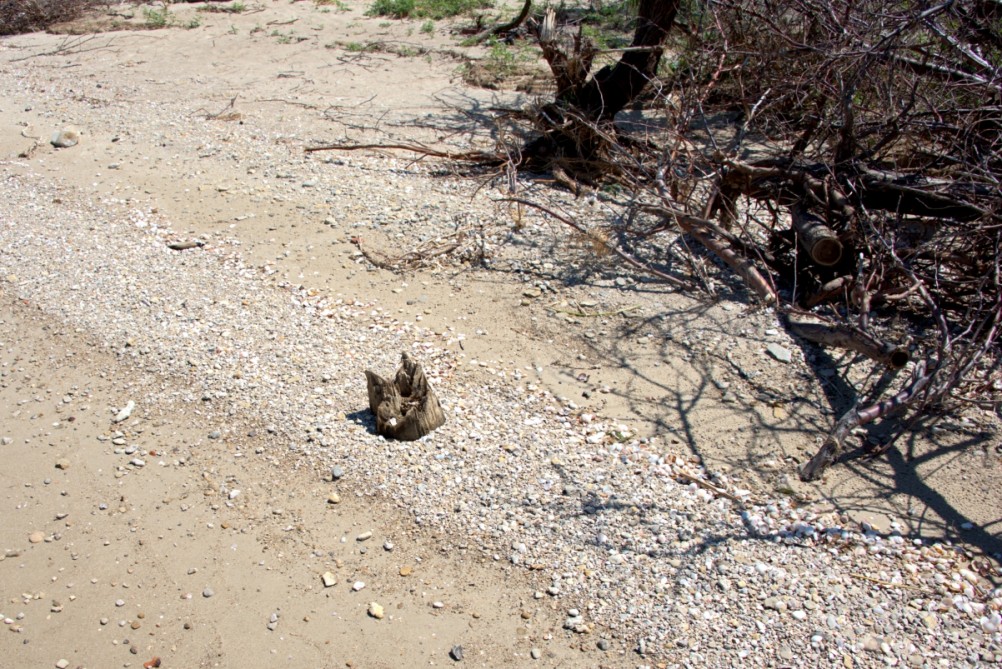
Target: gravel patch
637,540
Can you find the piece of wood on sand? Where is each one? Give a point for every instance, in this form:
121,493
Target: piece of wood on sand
405,407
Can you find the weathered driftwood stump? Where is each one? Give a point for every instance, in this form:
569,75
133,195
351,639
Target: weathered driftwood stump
406,407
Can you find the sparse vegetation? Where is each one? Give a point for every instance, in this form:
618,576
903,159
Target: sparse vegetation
154,18
396,48
23,16
232,8
431,9
339,5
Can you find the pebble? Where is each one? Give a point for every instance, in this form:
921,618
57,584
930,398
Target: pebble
328,579
62,664
387,546
36,537
337,472
376,610
124,413
535,653
779,352
357,585
65,138
334,498
406,570
207,593
63,464
456,653
364,536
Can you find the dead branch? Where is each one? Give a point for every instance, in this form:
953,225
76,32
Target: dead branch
461,156
506,27
841,335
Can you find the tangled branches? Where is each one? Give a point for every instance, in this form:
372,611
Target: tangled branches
843,158
21,16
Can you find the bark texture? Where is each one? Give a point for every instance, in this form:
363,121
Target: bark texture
405,407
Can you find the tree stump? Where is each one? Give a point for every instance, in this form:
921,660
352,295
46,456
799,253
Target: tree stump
406,407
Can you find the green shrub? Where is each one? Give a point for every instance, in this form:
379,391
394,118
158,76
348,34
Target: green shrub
430,9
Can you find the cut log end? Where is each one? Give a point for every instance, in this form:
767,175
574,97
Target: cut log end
405,407
827,251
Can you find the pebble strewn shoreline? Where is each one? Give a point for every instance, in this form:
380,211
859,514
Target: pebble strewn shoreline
629,545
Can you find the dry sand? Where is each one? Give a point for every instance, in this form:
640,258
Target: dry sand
201,132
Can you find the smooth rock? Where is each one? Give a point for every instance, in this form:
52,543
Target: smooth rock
63,464
65,138
36,537
328,579
207,593
336,472
779,353
357,585
376,611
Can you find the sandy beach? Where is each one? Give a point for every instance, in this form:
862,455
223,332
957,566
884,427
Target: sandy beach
191,471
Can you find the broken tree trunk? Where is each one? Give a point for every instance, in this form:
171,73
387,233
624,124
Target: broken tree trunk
406,407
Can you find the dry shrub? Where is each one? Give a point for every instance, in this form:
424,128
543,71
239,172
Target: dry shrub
25,16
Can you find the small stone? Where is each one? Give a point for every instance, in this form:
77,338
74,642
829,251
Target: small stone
357,585
328,579
119,603
336,472
63,464
36,537
437,605
65,138
125,412
333,498
233,494
785,653
62,664
364,536
207,593
603,644
406,570
215,434
774,603
376,611
388,546
456,653
137,462
779,353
